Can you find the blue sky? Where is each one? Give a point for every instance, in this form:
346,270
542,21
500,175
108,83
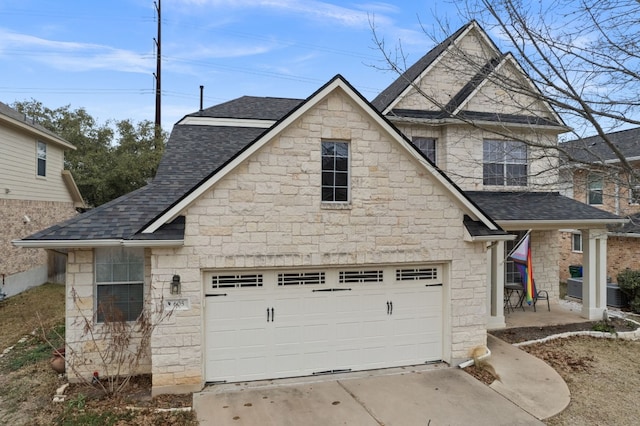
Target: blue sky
99,55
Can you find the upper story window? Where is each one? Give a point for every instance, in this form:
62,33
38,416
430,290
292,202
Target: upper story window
634,191
119,283
504,163
594,189
42,159
576,242
427,146
335,171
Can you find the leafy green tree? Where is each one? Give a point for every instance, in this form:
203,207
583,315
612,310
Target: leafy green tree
111,159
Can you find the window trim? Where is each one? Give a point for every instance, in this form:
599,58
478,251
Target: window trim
41,156
334,172
634,192
99,318
591,179
505,161
418,140
573,242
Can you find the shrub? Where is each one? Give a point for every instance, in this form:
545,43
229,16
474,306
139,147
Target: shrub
629,282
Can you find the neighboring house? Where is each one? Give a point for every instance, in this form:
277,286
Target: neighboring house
35,192
330,233
594,177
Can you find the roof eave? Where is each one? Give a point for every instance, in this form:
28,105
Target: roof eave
37,132
558,224
479,123
72,244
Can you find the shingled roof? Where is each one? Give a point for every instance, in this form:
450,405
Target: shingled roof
538,206
251,107
451,110
594,150
192,154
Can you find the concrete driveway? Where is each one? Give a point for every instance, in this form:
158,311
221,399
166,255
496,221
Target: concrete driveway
413,396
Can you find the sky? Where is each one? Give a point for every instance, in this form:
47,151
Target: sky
100,55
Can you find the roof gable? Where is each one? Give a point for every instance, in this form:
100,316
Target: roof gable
337,83
443,84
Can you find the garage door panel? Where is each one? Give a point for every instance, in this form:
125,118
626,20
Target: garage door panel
318,331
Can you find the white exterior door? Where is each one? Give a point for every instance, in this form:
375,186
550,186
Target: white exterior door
274,324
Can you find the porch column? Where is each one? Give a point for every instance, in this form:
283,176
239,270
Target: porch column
496,286
594,273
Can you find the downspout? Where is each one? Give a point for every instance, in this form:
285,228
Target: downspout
474,360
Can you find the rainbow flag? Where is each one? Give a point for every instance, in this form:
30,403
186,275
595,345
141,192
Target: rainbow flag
521,256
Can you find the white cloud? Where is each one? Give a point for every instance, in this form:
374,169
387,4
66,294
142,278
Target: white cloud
310,9
74,56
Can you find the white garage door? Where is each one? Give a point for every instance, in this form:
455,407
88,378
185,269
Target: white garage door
275,324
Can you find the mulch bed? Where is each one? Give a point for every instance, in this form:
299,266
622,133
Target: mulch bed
523,334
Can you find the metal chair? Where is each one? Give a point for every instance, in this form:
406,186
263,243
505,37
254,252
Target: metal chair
541,295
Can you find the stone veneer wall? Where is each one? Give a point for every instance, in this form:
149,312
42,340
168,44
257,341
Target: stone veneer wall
267,214
82,351
41,214
545,251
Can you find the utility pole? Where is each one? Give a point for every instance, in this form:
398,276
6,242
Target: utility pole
158,74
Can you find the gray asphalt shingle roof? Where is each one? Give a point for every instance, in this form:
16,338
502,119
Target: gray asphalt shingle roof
593,149
192,154
535,206
251,107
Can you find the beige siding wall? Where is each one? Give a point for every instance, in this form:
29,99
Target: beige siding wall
41,214
267,213
84,350
18,169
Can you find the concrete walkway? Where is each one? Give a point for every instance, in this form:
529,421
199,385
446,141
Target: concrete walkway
527,381
529,391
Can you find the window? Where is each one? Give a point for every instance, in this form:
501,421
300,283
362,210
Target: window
594,194
634,191
335,171
511,273
504,163
120,283
427,146
42,159
576,242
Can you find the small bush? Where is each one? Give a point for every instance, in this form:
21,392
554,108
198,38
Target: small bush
629,283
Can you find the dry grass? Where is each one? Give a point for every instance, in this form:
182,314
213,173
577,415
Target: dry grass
19,314
603,376
27,382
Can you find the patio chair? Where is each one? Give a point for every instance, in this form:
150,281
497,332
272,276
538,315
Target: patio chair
541,295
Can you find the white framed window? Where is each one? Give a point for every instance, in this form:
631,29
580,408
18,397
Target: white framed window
119,276
511,273
576,242
634,191
427,146
41,159
594,189
504,163
335,171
